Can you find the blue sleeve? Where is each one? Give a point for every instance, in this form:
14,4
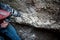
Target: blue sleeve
9,9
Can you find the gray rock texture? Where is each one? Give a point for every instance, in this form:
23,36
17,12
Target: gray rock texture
36,17
39,13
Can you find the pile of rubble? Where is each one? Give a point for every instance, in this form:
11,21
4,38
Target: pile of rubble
39,13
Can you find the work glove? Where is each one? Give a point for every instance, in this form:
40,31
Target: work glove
10,9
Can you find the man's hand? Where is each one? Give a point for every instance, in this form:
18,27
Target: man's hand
4,24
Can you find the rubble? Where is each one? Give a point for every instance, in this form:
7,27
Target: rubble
39,13
40,21
40,17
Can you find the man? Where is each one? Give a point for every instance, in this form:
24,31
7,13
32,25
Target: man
5,27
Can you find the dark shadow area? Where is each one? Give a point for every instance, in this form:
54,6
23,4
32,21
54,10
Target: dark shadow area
28,32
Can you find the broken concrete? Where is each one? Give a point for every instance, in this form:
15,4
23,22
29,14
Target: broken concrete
39,20
39,13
